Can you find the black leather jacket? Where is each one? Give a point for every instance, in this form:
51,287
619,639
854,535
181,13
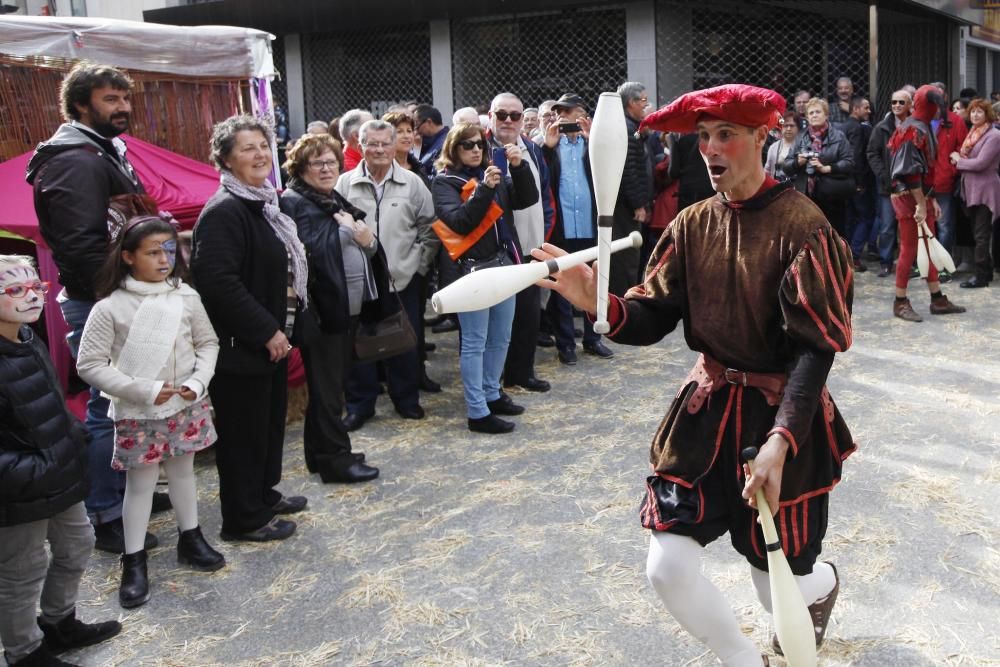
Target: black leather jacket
835,152
43,448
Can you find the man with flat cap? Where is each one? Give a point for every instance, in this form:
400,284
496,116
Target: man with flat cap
763,287
566,153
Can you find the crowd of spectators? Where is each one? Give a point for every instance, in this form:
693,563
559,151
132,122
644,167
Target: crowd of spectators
372,215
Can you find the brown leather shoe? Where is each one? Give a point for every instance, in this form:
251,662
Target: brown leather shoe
904,311
820,611
942,306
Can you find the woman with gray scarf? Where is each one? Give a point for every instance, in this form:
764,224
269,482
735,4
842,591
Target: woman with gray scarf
341,248
251,272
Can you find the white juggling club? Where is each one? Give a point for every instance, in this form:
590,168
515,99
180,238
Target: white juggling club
792,622
488,287
935,252
608,148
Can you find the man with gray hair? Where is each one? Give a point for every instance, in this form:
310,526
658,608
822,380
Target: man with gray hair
399,210
635,194
465,115
506,118
546,116
318,127
881,162
350,124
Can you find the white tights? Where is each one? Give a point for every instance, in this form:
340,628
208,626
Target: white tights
673,567
139,486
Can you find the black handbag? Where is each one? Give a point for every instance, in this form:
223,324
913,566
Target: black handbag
384,329
834,187
390,336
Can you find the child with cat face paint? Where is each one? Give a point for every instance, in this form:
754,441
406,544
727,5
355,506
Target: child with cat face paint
148,345
43,481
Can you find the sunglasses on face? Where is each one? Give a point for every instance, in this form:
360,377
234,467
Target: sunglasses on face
504,115
899,103
469,144
21,291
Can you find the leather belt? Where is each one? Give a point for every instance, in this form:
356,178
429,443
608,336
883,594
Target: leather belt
710,376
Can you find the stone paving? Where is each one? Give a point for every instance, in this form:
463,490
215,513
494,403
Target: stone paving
525,549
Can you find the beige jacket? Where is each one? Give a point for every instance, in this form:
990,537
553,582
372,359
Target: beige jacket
401,218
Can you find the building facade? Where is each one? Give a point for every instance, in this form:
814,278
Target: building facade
335,56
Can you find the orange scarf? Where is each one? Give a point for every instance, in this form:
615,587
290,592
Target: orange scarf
975,134
456,244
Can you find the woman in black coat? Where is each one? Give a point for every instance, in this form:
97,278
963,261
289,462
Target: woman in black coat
822,164
465,190
250,269
340,247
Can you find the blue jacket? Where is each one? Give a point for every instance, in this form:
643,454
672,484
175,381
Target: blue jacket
430,151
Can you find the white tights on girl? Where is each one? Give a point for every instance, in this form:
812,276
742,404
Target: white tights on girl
140,482
673,567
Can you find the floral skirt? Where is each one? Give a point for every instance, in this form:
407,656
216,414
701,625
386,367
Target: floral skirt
140,442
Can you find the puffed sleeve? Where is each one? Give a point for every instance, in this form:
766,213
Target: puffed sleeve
817,292
815,296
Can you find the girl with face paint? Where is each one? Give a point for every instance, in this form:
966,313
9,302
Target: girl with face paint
22,296
43,481
149,345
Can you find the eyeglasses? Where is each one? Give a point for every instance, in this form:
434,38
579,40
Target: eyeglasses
21,291
504,115
898,103
376,145
469,144
320,165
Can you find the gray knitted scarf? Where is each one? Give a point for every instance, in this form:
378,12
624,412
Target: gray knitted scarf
282,225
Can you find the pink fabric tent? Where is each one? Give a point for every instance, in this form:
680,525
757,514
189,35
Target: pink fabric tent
178,184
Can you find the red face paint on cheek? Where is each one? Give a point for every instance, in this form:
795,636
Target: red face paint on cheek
732,149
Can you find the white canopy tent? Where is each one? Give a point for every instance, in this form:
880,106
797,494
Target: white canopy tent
211,51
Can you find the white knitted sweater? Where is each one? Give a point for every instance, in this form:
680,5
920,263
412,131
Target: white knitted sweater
191,362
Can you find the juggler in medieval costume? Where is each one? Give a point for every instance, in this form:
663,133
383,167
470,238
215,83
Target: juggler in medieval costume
763,286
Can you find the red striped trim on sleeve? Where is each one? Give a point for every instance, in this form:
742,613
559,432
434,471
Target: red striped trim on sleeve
788,436
834,345
617,314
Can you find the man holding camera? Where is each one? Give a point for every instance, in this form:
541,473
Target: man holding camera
565,151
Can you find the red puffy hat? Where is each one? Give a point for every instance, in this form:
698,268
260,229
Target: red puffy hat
734,102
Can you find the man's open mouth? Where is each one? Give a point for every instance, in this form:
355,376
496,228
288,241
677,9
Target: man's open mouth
717,170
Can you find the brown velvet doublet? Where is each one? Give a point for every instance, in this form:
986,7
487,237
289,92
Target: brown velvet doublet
763,286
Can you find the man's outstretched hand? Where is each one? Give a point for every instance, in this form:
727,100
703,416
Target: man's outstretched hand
578,284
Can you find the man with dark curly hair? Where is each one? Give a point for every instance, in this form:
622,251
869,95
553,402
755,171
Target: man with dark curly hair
75,175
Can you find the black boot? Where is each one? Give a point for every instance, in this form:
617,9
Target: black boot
193,550
70,633
42,657
134,589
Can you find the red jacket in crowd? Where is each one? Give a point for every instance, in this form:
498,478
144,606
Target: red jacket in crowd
949,139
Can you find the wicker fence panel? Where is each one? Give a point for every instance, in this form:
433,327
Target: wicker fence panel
176,113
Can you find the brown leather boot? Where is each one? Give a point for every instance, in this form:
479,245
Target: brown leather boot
940,305
904,311
820,611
